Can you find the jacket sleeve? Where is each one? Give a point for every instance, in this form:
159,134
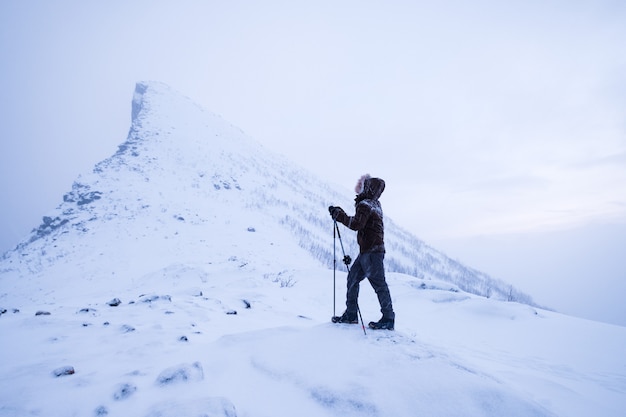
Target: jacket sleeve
359,220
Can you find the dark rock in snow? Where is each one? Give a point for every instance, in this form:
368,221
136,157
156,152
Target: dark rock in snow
101,411
127,328
81,194
48,226
195,292
124,391
65,370
114,302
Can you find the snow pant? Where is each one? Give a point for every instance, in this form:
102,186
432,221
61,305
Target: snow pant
370,266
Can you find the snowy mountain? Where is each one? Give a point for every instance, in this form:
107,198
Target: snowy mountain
190,274
185,175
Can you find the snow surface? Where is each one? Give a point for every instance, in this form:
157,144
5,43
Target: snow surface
223,312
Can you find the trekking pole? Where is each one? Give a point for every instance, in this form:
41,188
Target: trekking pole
334,269
346,261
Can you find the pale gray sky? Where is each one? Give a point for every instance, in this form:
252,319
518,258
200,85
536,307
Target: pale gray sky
498,126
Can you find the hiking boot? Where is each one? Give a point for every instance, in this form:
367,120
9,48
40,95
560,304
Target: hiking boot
346,318
382,324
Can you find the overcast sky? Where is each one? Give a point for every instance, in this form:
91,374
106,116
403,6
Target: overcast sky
499,127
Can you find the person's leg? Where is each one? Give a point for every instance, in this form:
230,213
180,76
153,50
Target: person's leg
375,272
355,276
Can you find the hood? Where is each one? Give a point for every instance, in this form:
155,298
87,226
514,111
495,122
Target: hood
373,188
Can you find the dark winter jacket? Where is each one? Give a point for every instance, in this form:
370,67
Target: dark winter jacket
368,219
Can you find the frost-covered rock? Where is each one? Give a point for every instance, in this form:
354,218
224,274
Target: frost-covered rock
124,391
127,328
63,371
114,302
153,298
181,373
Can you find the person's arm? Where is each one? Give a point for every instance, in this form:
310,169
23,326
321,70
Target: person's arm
356,222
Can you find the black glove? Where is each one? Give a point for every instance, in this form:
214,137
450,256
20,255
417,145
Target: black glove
334,211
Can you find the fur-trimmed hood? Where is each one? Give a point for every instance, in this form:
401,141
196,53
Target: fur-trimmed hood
368,187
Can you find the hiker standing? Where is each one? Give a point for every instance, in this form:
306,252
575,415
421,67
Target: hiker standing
368,223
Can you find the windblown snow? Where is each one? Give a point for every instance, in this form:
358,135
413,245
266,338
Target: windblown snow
191,274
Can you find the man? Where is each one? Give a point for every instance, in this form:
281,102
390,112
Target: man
368,223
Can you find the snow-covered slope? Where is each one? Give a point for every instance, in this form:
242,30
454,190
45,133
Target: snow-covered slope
227,339
188,275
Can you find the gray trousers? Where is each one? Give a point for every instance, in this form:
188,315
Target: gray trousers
370,266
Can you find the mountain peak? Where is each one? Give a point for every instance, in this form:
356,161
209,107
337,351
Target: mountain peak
137,104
